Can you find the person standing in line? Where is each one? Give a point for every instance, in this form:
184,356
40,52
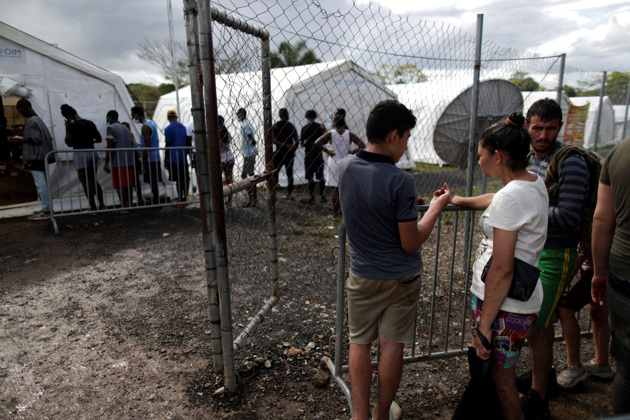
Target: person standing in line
380,208
544,121
190,141
514,225
286,140
342,143
150,158
575,299
36,143
611,279
137,166
123,176
227,158
175,136
82,134
249,155
313,160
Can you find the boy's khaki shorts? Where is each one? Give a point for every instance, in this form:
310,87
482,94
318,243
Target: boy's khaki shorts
382,307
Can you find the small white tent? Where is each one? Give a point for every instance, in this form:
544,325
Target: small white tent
49,77
530,97
322,87
607,122
442,108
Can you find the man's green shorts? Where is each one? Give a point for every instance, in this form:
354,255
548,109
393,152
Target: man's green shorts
556,266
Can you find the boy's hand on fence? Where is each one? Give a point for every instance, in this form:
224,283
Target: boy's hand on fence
421,201
442,196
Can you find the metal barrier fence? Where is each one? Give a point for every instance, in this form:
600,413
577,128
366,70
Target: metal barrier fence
443,322
90,181
262,57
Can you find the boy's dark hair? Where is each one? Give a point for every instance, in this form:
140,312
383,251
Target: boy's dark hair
67,111
113,114
385,117
242,112
545,109
284,114
511,137
137,110
310,114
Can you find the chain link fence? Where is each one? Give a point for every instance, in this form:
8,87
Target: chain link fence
322,61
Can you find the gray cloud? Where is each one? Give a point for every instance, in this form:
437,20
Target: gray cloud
107,33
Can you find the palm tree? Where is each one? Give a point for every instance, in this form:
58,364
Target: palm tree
290,56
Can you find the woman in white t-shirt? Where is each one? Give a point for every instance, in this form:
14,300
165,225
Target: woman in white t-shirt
514,225
342,143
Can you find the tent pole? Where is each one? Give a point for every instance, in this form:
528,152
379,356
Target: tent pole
472,139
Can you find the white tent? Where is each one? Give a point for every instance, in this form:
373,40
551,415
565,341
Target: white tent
530,97
607,122
442,109
622,115
322,87
49,77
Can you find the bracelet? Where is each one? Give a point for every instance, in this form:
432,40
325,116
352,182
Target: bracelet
483,339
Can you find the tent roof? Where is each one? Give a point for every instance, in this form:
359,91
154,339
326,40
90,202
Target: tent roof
282,79
49,50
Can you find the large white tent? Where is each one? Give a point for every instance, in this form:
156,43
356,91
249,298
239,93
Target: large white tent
443,109
607,122
49,77
322,87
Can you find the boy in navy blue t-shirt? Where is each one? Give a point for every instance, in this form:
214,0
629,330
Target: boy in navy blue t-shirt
379,204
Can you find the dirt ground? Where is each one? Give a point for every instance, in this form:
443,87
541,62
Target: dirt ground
109,319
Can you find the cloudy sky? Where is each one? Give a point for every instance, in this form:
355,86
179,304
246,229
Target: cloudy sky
593,34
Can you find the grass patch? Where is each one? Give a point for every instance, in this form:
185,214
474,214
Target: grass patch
433,168
323,234
297,231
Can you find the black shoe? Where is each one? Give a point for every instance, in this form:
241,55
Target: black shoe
534,407
524,383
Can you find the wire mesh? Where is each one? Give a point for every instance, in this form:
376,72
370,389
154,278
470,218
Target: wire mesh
326,59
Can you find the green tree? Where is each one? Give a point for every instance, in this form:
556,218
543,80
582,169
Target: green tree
525,84
570,91
289,55
165,88
145,96
617,87
400,74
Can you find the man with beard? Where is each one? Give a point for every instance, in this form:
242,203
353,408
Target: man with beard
544,121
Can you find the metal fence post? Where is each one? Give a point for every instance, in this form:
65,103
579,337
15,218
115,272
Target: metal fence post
598,122
625,119
472,140
561,79
207,222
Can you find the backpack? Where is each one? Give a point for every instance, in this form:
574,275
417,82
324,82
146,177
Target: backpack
594,164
